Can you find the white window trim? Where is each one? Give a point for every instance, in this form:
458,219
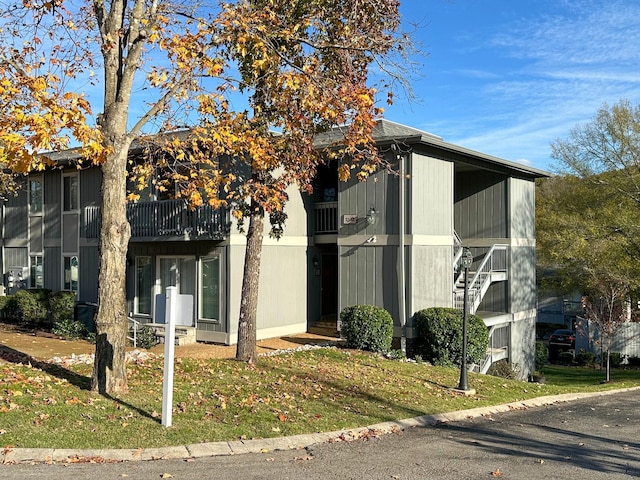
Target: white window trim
199,288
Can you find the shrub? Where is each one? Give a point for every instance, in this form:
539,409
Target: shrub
504,369
565,357
28,306
61,305
615,359
633,361
584,358
145,338
69,329
542,353
439,333
367,327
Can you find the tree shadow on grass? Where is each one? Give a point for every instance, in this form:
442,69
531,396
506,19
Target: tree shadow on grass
82,382
11,355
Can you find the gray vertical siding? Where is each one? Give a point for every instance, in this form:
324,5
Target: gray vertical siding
431,196
16,221
36,240
52,264
522,206
90,187
16,257
432,277
522,276
70,226
368,277
88,275
356,198
481,205
52,206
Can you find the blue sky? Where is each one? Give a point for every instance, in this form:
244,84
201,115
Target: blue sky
508,77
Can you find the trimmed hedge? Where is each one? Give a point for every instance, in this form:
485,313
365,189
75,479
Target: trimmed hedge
367,327
584,358
34,306
439,339
28,306
61,305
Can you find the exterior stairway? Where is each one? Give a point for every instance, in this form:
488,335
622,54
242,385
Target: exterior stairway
492,268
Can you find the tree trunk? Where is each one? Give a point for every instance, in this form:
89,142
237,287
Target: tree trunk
246,348
109,373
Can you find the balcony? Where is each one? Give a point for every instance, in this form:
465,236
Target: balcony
326,222
164,220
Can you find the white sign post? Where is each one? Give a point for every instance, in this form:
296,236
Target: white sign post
169,353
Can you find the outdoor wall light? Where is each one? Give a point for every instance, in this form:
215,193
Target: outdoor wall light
372,216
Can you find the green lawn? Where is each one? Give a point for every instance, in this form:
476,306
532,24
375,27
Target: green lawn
303,392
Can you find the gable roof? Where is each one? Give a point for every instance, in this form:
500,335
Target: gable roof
387,132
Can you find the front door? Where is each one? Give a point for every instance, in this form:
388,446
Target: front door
329,286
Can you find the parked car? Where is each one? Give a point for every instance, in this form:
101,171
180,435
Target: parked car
561,340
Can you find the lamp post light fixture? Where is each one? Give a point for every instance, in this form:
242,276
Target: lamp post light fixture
467,261
372,216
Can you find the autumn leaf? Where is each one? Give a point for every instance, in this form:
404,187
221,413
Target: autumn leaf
282,417
497,473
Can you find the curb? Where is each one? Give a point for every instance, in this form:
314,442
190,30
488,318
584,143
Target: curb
240,447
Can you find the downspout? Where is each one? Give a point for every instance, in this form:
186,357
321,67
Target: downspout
401,256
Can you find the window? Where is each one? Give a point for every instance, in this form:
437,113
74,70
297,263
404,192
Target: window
210,288
71,273
70,193
144,284
178,272
36,279
35,196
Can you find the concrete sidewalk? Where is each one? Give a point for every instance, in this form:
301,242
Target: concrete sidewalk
238,447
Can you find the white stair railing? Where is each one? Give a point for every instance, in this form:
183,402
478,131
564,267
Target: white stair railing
492,268
134,326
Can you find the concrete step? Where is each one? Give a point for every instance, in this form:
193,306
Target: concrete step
327,329
184,335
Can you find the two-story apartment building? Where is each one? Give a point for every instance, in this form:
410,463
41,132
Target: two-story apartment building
394,241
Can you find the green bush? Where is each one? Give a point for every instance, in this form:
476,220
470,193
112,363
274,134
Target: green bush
28,306
69,329
439,333
542,353
504,369
145,338
61,305
633,361
367,327
584,358
615,359
565,357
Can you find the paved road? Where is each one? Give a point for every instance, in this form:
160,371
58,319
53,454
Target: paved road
595,438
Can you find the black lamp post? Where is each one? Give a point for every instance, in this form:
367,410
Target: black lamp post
467,260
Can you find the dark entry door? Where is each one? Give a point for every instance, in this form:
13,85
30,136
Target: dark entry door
329,285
